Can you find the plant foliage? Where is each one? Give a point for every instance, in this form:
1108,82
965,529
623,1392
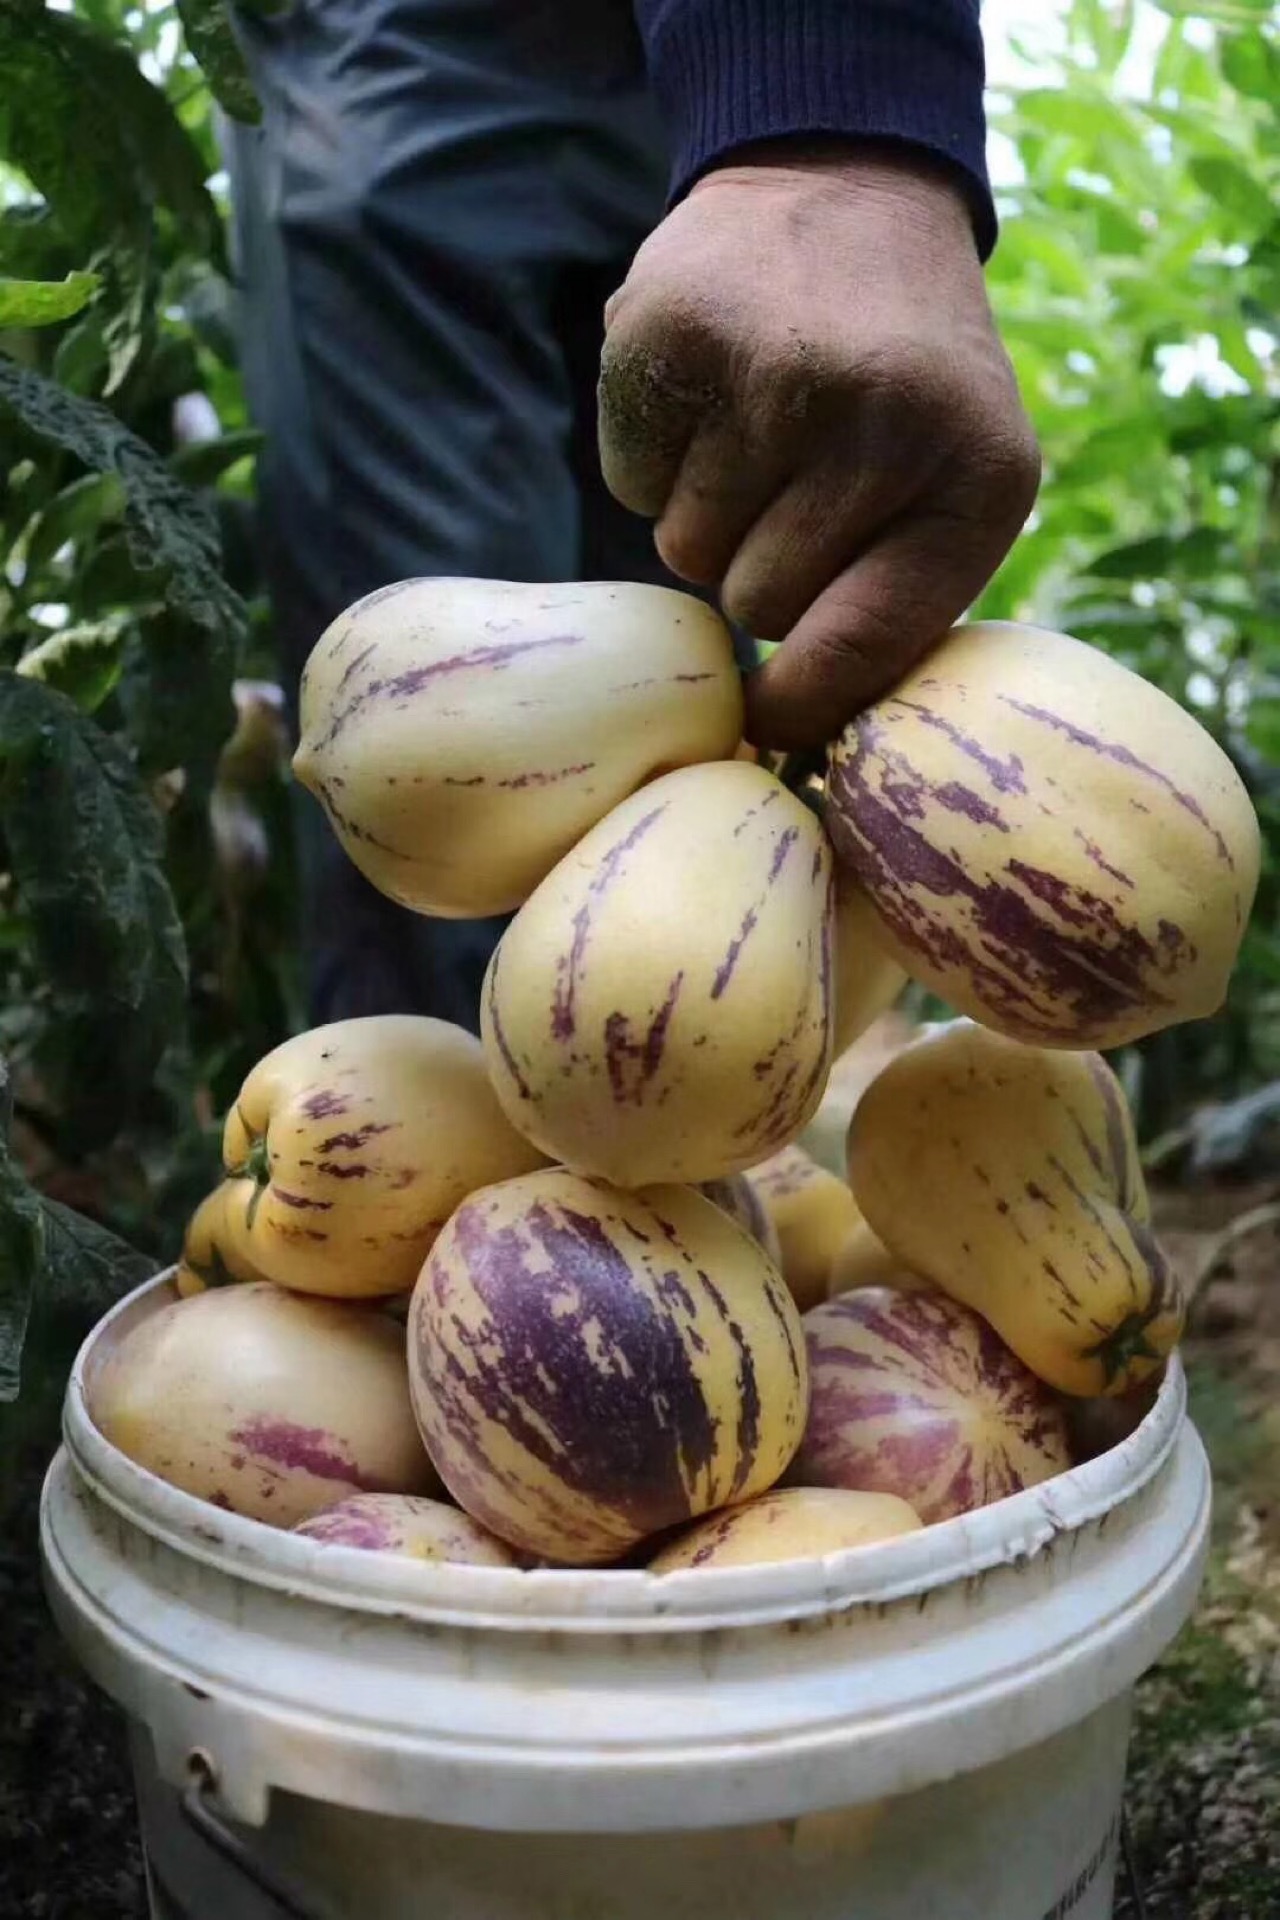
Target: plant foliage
1138,286
136,987
145,868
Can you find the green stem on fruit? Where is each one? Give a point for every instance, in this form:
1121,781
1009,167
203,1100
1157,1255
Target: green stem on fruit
1123,1345
255,1166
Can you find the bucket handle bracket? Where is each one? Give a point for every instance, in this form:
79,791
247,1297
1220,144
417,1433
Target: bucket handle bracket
200,1811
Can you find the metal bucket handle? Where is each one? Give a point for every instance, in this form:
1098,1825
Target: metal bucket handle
200,1811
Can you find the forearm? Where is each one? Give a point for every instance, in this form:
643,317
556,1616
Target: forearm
731,74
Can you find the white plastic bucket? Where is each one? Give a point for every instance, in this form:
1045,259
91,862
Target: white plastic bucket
931,1730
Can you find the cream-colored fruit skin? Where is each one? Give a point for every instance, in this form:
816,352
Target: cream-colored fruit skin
660,1009
417,1529
1052,844
1009,1177
263,1402
376,1129
739,1199
868,978
591,1366
795,1523
851,1073
462,735
813,1214
212,1247
864,1261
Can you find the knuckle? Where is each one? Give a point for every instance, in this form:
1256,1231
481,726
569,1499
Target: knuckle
1011,467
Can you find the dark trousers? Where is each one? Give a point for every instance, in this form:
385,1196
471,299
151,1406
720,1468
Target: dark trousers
439,200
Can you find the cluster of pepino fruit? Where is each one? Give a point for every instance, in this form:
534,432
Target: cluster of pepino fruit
640,1324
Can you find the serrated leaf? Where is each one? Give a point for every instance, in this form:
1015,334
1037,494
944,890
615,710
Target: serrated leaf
176,698
210,37
171,530
83,662
42,303
86,849
87,1268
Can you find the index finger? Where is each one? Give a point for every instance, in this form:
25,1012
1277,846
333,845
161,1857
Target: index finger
653,394
867,629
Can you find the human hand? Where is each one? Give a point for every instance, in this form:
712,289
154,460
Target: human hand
803,385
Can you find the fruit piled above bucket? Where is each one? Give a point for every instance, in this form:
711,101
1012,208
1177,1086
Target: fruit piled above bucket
571,1294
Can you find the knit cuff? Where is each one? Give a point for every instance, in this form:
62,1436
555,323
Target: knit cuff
729,73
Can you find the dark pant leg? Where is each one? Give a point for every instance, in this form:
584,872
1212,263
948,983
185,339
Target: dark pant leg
441,196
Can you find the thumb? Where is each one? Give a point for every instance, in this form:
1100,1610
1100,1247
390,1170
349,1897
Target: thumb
656,387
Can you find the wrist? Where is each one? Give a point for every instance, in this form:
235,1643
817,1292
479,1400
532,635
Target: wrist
907,180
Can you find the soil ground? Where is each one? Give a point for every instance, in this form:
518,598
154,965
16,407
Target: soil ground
1204,1795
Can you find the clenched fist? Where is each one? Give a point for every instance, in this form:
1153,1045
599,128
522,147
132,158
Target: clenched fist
803,385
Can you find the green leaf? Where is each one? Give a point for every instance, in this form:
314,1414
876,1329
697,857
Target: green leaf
69,137
1233,191
203,462
87,1268
31,247
210,35
1108,28
1085,118
1119,231
83,662
42,303
21,1253
129,316
76,513
1110,451
1204,553
86,851
95,136
80,363
1138,560
171,530
52,1259
1251,62
176,699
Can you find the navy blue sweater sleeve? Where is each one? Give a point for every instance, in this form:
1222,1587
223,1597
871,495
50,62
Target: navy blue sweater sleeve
730,72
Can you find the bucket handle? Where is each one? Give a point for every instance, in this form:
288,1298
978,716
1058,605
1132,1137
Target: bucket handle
201,1813
199,1809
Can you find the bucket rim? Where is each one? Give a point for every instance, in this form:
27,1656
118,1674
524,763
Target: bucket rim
1014,1530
